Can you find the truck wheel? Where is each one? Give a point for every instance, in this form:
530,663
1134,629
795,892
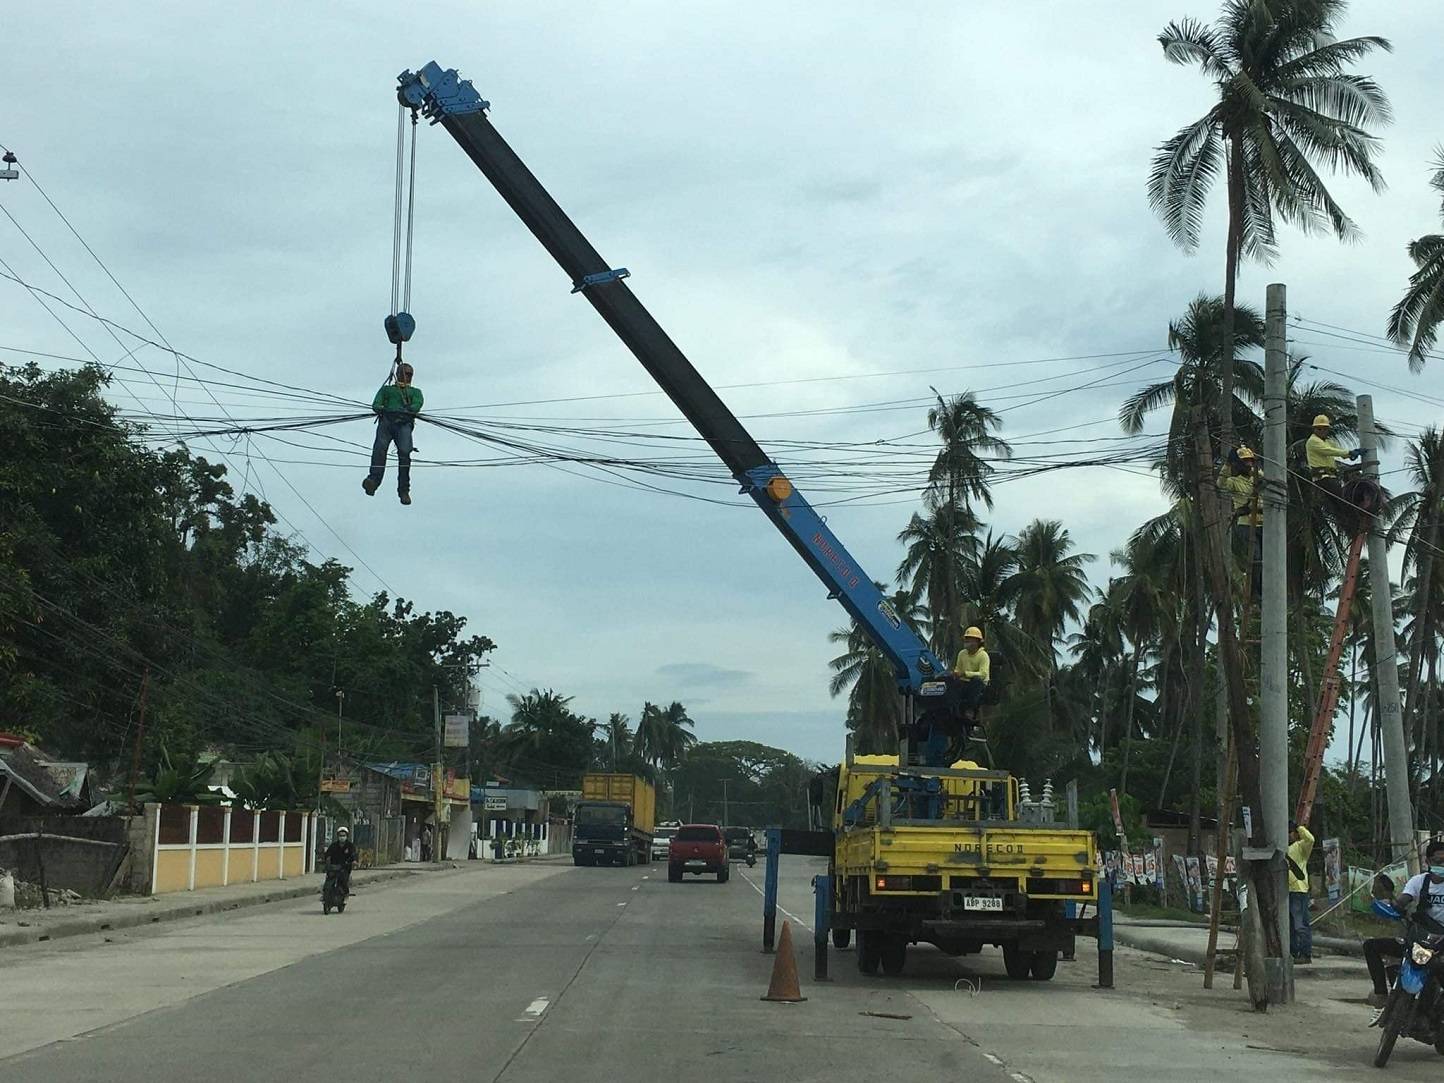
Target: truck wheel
724,874
841,938
674,874
869,951
1044,965
894,955
1017,963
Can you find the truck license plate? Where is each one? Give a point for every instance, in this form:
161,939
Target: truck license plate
974,902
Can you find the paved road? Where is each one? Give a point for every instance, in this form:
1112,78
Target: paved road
549,973
586,974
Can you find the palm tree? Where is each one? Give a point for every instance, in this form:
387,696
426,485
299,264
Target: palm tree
1417,516
1285,101
1048,589
616,739
874,704
959,474
940,547
1198,337
1416,318
663,738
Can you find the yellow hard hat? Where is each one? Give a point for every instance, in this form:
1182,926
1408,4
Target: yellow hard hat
1322,421
973,632
1246,452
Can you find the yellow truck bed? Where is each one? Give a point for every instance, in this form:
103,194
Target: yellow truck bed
1041,861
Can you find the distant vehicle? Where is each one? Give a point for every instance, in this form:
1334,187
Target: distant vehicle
612,824
698,849
661,838
741,846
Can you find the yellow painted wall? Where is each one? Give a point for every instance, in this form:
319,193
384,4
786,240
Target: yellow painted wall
172,870
208,867
241,866
295,859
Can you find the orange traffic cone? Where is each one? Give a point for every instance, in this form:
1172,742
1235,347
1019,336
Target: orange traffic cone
784,987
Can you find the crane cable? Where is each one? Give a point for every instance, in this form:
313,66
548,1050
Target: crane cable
400,325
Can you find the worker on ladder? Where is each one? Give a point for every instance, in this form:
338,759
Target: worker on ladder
396,406
1323,457
1239,478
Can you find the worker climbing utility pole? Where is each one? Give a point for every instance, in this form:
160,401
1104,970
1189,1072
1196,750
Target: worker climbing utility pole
1386,665
1274,657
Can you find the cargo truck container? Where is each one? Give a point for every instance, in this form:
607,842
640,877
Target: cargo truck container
613,821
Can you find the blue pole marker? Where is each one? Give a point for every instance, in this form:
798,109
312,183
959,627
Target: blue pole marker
822,888
769,889
1105,931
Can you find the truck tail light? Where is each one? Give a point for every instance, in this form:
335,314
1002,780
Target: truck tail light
894,883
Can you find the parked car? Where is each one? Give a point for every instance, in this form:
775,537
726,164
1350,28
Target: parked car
661,839
741,846
697,849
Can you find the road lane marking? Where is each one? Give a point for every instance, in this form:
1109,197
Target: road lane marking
780,907
537,1006
637,887
621,904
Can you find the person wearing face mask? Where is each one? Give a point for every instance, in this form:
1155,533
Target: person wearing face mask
1427,890
396,406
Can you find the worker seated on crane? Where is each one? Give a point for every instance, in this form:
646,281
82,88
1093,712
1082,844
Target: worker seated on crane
974,669
396,406
1240,479
1324,455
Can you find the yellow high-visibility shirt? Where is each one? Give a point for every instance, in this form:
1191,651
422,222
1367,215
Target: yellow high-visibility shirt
1240,488
1299,853
1322,454
971,665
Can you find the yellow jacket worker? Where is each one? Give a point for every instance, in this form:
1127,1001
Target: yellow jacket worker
973,667
1324,454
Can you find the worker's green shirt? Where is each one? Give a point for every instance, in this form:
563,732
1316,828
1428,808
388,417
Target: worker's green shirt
395,399
1241,489
1299,854
975,665
1322,454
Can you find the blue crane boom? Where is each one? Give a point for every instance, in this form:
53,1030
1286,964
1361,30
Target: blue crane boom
444,98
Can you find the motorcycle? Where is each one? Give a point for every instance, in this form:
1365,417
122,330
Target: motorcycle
1415,1008
751,858
333,891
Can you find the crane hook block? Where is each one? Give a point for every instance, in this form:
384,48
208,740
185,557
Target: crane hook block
399,328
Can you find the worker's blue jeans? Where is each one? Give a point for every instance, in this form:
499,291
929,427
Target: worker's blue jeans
389,430
1301,935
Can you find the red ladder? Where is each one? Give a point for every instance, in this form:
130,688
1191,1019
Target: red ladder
1329,693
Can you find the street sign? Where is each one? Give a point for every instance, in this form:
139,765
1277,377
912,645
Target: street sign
458,730
494,803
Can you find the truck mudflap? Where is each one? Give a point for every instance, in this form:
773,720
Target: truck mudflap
1029,934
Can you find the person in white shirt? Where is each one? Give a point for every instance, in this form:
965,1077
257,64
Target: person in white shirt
1427,890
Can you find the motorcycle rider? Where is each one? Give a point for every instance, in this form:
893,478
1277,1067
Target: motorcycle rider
342,853
1427,889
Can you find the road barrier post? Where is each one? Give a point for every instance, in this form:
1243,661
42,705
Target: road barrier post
1105,931
822,887
769,889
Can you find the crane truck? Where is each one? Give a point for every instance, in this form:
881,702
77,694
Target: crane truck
961,851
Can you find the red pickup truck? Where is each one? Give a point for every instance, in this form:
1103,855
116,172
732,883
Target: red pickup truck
698,848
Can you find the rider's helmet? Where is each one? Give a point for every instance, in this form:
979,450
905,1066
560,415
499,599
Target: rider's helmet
343,832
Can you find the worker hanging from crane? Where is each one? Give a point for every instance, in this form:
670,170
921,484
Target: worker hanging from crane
398,402
1239,477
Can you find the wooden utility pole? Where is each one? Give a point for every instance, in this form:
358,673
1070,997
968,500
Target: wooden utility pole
1262,898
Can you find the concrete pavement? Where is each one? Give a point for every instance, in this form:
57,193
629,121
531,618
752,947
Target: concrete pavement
532,973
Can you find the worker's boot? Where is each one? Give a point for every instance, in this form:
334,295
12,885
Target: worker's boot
370,486
405,496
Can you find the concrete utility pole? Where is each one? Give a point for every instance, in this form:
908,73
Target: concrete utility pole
1386,663
436,776
725,820
1274,654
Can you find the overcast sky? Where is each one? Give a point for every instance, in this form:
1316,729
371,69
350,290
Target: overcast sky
799,190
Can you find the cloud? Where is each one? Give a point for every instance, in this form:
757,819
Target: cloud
686,675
